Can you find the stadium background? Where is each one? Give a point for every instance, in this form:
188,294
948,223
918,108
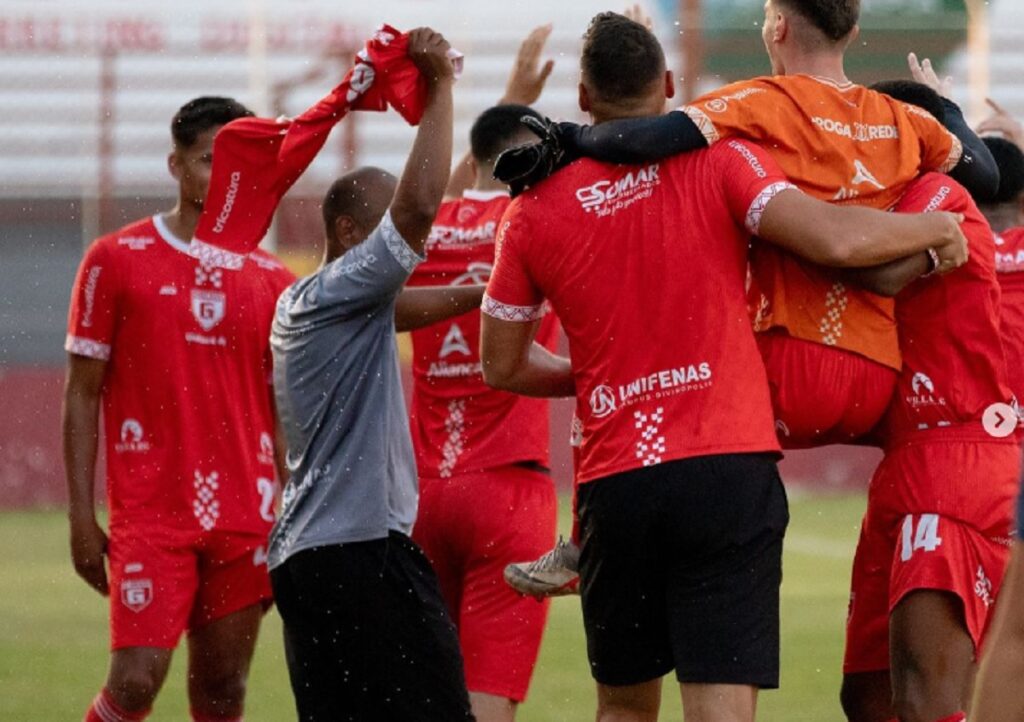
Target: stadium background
88,89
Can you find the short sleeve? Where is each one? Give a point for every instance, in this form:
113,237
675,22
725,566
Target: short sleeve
367,276
512,294
92,318
750,178
733,110
940,149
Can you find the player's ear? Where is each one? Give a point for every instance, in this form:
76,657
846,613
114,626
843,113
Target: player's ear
670,85
174,165
584,98
781,29
344,229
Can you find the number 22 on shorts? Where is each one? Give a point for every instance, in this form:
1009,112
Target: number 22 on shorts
925,536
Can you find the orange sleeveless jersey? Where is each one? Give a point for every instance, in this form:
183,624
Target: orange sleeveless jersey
840,143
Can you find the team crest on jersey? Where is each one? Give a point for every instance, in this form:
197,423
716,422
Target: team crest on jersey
208,307
266,455
136,594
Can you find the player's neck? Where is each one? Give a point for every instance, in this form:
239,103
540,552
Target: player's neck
828,66
485,183
182,220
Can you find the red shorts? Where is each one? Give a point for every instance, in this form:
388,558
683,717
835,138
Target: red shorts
939,517
821,394
470,526
166,581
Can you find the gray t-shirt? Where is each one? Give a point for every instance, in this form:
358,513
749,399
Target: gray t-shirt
339,397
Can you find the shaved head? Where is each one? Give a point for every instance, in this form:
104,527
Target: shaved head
362,195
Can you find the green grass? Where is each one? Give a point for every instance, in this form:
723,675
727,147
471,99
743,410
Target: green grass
53,632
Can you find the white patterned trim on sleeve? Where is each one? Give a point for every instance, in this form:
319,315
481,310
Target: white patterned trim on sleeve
508,312
215,256
956,152
405,256
87,347
704,123
756,209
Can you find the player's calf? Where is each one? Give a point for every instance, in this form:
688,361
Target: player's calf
932,657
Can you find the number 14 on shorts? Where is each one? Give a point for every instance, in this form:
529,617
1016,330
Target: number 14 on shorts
920,532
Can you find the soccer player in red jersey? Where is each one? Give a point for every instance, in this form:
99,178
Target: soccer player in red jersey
177,355
482,454
934,541
822,338
1006,215
681,509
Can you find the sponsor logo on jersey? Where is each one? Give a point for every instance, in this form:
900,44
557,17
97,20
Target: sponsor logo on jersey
345,269
453,236
208,307
863,175
454,342
719,105
923,392
477,272
752,161
445,370
136,594
860,132
229,202
91,280
938,199
608,197
602,401
1009,262
133,439
136,243
169,290
983,587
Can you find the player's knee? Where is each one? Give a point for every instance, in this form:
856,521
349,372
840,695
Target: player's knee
134,689
221,692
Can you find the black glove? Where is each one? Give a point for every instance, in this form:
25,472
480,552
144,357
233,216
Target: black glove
529,164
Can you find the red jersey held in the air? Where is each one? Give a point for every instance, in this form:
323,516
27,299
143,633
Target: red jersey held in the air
187,408
459,423
1010,271
645,267
953,364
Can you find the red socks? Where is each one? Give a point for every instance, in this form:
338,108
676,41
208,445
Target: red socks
105,709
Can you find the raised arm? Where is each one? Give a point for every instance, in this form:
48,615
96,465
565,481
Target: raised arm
81,414
977,170
525,84
856,237
420,307
423,181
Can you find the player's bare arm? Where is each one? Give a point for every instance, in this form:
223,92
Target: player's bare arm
525,84
425,176
420,307
855,237
513,361
890,278
81,413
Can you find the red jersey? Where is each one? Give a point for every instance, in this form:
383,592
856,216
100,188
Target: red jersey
187,410
645,267
1010,271
841,143
953,365
459,423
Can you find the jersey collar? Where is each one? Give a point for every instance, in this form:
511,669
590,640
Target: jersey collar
165,233
848,85
474,195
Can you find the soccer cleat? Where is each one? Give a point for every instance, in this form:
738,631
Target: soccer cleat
555,574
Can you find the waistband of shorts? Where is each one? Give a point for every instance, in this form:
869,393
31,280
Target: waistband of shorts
972,432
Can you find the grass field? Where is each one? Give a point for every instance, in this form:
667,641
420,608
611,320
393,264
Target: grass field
53,632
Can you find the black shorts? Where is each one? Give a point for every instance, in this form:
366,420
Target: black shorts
680,568
367,636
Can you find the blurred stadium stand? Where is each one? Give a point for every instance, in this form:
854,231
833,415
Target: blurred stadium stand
88,91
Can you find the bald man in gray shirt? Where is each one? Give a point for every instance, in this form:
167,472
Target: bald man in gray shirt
366,633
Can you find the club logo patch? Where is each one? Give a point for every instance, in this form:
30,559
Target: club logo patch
208,308
136,594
